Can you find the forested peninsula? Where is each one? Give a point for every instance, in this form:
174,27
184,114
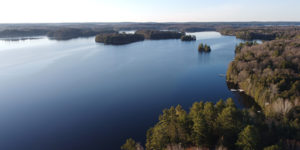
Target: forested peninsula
270,73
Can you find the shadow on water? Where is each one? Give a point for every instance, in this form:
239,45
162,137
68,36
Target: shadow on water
203,57
245,100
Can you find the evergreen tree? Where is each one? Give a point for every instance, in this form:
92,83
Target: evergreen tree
209,114
182,125
130,144
228,126
272,147
196,108
249,138
149,138
220,105
230,103
199,133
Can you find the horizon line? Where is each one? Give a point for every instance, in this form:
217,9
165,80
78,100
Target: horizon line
111,22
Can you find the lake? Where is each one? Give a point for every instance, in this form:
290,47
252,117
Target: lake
78,94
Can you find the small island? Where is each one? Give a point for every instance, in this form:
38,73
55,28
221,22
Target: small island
204,48
188,38
118,39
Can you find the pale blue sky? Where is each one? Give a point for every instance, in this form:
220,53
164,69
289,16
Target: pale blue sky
34,11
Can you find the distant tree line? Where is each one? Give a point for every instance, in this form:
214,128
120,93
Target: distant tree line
188,38
229,28
70,33
261,33
118,39
22,32
219,126
158,35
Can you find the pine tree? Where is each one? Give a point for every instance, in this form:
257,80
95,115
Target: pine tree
196,108
209,114
220,105
272,147
249,138
130,144
228,126
199,133
230,103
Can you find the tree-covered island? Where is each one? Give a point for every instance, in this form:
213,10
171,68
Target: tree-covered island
159,35
188,38
118,39
204,48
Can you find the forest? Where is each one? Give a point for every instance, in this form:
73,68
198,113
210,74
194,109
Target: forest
118,39
22,33
270,73
261,33
219,126
188,38
267,72
243,30
70,33
158,35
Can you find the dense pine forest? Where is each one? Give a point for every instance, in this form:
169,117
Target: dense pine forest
219,126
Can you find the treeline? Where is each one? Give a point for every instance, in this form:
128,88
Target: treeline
270,73
188,38
250,30
239,47
219,126
22,33
158,35
261,33
70,33
118,39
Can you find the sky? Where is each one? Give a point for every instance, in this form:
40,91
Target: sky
57,11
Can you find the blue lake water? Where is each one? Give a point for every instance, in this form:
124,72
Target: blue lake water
78,94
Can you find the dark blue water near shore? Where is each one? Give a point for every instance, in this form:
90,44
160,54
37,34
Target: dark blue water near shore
77,94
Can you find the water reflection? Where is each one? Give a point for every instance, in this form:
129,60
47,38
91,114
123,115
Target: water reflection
19,39
203,57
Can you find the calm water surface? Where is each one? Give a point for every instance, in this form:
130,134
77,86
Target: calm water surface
78,94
